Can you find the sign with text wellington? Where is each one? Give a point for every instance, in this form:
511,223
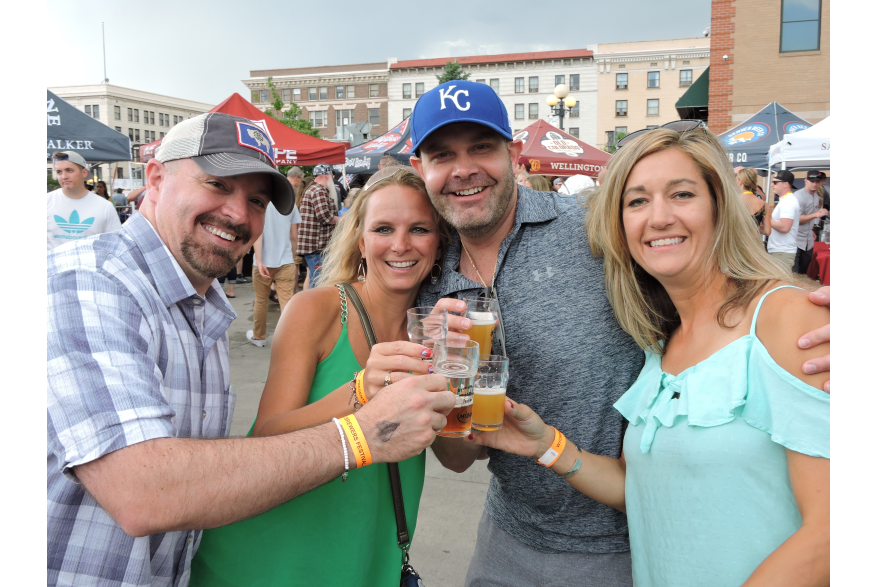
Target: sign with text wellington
70,129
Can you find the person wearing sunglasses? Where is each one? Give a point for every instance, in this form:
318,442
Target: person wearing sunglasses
568,357
784,220
724,473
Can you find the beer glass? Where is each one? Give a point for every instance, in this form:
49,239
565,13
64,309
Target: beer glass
457,361
426,325
483,312
488,406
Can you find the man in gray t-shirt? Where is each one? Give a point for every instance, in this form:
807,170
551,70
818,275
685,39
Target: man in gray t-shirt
811,212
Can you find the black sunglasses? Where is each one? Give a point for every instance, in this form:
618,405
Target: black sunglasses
677,125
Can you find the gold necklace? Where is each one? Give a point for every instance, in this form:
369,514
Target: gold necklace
478,273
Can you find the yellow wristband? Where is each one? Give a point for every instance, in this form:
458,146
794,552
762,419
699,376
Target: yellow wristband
357,442
555,450
360,388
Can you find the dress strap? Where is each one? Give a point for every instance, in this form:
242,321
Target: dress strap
761,301
340,287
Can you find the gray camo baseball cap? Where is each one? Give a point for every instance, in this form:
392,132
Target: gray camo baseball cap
224,145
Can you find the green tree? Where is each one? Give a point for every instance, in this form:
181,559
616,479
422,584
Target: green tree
452,71
291,118
51,183
618,137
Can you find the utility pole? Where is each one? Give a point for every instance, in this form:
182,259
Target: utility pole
104,39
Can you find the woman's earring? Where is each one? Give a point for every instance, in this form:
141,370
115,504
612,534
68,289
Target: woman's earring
433,277
360,271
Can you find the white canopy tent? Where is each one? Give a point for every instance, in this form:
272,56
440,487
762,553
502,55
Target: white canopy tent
808,148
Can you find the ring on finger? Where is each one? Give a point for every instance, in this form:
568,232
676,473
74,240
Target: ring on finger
387,380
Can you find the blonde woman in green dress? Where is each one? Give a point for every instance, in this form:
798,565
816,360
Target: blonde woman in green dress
343,533
724,472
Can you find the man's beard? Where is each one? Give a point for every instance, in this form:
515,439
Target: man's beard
469,222
212,260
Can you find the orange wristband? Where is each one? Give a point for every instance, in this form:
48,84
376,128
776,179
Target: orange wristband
360,388
555,450
357,442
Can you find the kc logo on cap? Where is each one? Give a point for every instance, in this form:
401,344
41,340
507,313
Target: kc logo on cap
445,94
250,135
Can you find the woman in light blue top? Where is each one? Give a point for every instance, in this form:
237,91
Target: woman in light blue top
724,473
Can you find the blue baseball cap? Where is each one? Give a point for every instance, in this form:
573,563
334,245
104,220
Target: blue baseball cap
458,101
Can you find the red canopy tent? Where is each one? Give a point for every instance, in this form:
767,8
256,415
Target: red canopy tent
292,147
550,151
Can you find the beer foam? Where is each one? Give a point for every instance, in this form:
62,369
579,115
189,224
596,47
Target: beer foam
481,317
490,391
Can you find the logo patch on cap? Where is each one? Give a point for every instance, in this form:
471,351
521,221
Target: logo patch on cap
250,135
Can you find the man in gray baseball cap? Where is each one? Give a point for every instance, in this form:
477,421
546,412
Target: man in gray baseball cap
138,378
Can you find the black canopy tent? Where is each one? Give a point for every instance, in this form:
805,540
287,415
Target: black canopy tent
747,144
69,129
364,158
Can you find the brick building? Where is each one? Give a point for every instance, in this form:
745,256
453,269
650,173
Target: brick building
330,96
768,50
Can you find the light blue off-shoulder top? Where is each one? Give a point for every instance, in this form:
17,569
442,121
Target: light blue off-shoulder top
707,485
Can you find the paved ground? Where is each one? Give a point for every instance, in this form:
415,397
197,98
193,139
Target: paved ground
451,504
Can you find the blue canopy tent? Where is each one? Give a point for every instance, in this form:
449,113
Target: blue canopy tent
747,144
69,129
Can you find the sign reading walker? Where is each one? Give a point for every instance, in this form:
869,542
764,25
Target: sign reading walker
69,129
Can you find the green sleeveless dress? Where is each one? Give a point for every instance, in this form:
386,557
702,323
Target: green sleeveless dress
340,534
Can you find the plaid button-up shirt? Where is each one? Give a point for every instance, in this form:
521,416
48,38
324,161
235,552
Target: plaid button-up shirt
134,353
316,209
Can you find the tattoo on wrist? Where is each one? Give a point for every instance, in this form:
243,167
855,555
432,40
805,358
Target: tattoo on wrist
385,430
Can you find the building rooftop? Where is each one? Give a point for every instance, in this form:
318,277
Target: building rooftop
484,59
325,69
112,90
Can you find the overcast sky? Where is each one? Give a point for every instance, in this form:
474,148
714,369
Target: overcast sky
202,50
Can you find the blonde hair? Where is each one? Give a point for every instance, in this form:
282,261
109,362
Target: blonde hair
539,183
641,304
341,256
749,178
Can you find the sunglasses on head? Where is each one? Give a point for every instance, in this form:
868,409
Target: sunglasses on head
677,125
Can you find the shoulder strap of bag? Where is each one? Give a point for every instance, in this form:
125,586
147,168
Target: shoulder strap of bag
395,481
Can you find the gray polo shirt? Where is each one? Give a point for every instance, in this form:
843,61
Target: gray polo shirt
809,204
568,360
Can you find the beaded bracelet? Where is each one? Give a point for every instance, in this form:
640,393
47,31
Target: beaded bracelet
353,396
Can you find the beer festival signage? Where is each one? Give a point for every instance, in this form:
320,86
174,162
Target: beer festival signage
69,129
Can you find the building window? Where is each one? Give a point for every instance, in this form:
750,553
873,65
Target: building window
534,84
622,66
574,131
351,91
559,79
324,93
684,77
800,25
135,154
519,112
652,107
621,130
296,94
620,81
136,115
494,83
481,81
654,79
137,173
534,111
93,111
374,116
160,135
312,94
318,118
166,119
254,97
339,92
285,94
406,91
406,112
118,129
131,134
263,95
117,112
519,85
373,90
342,119
418,89
130,115
136,135
574,82
574,111
120,172
620,107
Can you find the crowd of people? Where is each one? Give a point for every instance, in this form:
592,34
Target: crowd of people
684,367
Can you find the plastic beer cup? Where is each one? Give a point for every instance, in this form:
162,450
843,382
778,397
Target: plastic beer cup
457,361
488,406
426,325
483,312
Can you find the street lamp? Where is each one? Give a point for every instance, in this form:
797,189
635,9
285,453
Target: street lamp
560,99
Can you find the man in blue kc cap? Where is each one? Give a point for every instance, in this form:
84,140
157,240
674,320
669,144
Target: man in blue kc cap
568,358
